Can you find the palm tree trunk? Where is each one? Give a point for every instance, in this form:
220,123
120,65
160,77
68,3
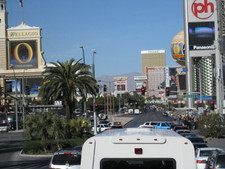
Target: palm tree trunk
68,110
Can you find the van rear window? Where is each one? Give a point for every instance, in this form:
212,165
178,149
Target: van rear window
62,159
142,163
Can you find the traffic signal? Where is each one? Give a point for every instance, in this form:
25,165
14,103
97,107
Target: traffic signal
96,106
212,105
167,91
143,90
27,90
104,88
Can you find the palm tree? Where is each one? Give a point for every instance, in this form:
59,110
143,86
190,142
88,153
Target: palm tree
67,80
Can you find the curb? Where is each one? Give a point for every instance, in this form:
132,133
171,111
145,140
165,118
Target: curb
36,155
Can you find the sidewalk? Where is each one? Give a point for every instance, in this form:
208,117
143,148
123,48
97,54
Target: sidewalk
118,117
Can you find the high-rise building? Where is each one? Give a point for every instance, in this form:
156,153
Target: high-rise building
151,58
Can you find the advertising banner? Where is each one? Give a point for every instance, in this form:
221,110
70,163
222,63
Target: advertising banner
23,54
201,29
34,84
13,86
140,83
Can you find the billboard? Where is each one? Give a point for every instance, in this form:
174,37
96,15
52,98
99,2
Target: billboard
171,75
23,54
200,27
201,35
140,82
201,10
34,84
13,86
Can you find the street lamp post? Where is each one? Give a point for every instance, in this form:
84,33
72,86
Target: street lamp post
95,116
83,53
84,102
16,101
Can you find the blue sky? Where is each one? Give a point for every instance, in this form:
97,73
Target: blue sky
118,29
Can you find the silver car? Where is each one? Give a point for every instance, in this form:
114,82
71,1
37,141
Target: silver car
202,155
66,159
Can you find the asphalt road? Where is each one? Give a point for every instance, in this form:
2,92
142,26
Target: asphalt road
11,144
149,115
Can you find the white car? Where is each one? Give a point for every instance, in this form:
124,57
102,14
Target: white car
149,124
101,127
202,155
66,159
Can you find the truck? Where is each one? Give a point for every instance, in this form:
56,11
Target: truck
138,148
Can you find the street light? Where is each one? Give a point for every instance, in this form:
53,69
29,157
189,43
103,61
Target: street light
93,64
95,116
83,53
16,101
84,102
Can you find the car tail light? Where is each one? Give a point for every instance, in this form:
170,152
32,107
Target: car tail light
138,151
200,161
67,153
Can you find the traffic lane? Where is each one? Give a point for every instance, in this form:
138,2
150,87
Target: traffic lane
148,115
35,163
10,146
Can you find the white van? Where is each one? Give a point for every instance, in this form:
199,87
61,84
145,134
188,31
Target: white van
138,148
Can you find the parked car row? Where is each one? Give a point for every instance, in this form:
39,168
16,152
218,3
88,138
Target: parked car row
206,157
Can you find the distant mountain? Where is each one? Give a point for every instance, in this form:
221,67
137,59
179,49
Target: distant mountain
131,84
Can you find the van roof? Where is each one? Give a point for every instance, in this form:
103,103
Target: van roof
139,132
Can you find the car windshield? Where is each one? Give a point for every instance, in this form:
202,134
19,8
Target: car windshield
138,164
221,161
62,159
205,153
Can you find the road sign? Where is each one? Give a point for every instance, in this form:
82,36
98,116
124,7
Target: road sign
191,96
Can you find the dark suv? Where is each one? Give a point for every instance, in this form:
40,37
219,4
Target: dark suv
216,160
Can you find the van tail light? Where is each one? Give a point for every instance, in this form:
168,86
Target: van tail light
138,151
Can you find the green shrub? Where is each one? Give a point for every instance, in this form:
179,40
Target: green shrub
211,125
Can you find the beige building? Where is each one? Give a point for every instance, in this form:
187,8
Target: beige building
151,58
155,76
21,59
